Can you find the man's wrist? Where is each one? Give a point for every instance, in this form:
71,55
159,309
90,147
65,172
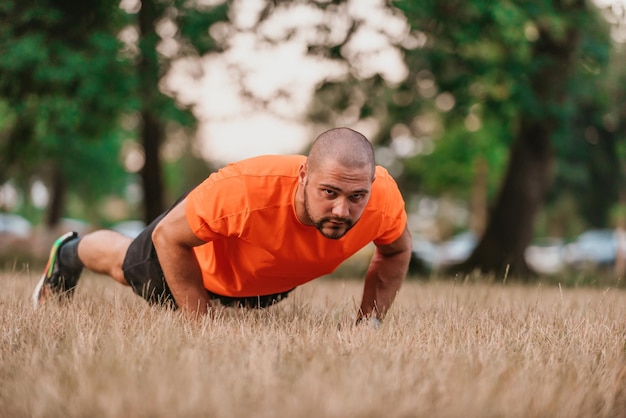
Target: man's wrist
370,321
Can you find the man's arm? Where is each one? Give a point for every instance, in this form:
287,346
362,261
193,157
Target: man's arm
384,277
174,241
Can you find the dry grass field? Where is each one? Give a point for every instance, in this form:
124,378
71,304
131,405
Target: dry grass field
446,350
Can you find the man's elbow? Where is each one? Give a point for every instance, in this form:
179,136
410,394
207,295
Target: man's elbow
158,235
398,254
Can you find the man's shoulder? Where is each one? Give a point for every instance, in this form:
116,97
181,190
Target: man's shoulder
382,171
384,180
385,191
259,179
247,185
270,165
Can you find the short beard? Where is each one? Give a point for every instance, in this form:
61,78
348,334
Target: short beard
319,224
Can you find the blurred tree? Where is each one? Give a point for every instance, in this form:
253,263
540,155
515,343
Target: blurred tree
591,168
64,85
499,83
527,65
168,31
495,81
69,70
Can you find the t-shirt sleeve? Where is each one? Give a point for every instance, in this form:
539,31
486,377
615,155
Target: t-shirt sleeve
216,208
394,212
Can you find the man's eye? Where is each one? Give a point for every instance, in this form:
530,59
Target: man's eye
329,192
357,197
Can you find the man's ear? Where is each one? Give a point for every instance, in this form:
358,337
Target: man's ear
302,174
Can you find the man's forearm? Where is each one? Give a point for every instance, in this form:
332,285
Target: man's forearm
174,241
184,278
382,282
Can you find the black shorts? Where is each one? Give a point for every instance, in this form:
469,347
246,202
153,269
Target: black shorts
143,273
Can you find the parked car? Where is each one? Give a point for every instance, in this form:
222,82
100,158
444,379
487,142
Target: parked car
455,250
424,255
593,248
546,255
129,228
72,224
16,225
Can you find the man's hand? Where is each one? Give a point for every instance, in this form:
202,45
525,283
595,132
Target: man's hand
384,277
371,322
174,241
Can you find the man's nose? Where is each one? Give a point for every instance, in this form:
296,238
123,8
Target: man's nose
341,208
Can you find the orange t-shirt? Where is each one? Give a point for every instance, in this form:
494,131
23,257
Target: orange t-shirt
256,245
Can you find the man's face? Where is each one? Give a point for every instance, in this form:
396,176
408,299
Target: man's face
335,197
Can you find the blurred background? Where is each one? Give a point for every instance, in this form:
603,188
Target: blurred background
504,123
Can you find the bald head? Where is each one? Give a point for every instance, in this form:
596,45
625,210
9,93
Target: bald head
344,146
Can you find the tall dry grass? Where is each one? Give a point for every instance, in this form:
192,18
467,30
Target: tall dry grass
446,350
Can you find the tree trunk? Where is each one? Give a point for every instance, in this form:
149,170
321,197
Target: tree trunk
152,131
604,168
478,197
152,172
510,227
530,169
58,192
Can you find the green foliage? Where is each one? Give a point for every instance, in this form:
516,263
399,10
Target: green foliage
191,22
64,85
66,79
451,166
480,54
194,22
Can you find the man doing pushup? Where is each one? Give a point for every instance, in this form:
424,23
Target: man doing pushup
253,231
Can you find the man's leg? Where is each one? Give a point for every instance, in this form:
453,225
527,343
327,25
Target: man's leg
101,251
131,262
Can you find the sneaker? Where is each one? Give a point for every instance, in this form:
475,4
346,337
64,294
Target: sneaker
55,281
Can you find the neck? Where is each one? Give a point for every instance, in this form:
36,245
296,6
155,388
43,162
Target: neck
299,205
